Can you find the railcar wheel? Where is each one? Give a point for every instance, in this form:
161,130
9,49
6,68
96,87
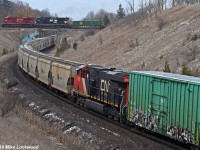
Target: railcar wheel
110,116
74,99
116,117
192,147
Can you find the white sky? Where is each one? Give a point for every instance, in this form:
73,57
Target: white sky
76,9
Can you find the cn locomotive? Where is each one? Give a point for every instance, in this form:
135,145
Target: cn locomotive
50,22
164,103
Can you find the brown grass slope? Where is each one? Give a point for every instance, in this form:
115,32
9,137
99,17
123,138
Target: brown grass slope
10,39
143,45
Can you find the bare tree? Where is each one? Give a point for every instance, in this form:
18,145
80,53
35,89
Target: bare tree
131,5
90,16
100,14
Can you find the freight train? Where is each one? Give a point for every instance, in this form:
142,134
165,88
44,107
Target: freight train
164,103
50,22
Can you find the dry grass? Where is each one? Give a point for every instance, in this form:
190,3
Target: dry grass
72,37
18,124
10,39
24,127
118,48
7,103
14,131
51,130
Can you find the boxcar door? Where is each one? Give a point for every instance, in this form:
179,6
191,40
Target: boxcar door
159,103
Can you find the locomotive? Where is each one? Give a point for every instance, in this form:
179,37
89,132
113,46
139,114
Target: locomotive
23,22
50,22
107,86
164,103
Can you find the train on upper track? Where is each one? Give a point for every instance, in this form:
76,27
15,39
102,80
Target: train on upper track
165,103
50,22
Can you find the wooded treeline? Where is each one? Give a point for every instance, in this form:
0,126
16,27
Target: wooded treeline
136,10
150,6
20,9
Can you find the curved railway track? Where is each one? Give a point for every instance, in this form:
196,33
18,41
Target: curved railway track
167,142
141,132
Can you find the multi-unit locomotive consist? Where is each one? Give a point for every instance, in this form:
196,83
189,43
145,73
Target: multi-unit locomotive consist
50,22
164,103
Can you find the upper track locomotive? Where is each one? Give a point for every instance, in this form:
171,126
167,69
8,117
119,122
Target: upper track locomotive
164,103
50,22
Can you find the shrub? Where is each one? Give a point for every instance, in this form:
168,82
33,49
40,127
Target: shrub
5,51
90,32
167,68
82,38
185,70
161,23
57,52
134,44
195,37
64,45
12,83
161,57
12,50
143,65
7,104
75,45
100,40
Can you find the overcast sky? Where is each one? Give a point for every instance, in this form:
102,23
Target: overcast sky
76,9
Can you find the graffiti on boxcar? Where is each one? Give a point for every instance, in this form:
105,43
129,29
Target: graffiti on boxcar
181,134
144,120
140,118
152,122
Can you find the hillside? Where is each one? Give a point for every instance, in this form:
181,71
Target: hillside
173,36
10,39
14,128
5,41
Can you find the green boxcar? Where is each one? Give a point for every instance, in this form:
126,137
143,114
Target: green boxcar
166,103
88,24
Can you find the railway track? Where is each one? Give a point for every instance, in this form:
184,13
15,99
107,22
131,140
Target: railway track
135,134
60,29
167,142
